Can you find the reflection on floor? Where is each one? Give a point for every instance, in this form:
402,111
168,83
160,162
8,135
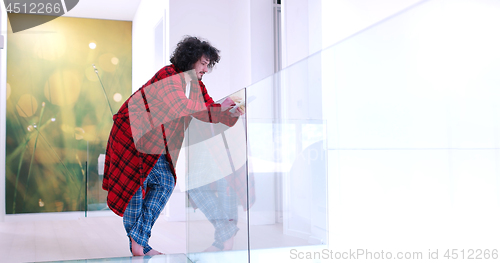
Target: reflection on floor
264,236
173,258
85,238
104,237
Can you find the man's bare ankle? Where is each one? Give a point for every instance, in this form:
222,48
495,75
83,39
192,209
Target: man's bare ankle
153,252
137,250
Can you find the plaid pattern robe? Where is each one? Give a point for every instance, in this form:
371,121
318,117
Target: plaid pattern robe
152,122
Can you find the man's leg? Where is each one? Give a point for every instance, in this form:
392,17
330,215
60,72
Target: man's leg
130,219
219,207
139,223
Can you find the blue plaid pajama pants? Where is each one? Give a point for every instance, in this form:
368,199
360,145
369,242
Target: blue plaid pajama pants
220,206
141,214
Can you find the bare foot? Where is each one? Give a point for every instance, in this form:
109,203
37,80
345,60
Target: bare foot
153,252
228,245
211,249
137,250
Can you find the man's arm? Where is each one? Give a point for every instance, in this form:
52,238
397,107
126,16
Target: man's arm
222,116
174,104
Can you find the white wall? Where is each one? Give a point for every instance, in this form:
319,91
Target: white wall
226,25
302,37
241,30
262,39
343,18
302,26
312,25
147,16
109,9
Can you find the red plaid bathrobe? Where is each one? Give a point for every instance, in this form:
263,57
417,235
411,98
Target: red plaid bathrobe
152,122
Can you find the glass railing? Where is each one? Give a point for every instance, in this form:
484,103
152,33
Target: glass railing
216,183
262,183
95,195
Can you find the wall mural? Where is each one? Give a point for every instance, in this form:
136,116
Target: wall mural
58,117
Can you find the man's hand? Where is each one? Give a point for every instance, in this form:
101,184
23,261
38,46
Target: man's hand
237,111
227,104
235,105
236,99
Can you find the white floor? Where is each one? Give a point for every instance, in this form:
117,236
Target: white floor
85,238
105,237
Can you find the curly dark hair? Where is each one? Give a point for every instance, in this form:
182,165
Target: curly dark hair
191,49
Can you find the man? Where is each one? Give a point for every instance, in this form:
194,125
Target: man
147,134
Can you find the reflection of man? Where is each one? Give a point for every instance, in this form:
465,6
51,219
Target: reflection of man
140,176
217,180
219,202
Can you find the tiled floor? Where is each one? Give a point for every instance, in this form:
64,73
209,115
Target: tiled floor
172,258
104,238
84,238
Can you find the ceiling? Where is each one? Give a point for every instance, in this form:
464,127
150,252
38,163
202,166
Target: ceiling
105,9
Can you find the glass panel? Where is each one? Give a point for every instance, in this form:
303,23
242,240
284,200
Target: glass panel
409,123
96,196
216,184
285,169
289,167
56,110
413,130
288,159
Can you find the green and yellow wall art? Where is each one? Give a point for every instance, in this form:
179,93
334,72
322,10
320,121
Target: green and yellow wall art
58,113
